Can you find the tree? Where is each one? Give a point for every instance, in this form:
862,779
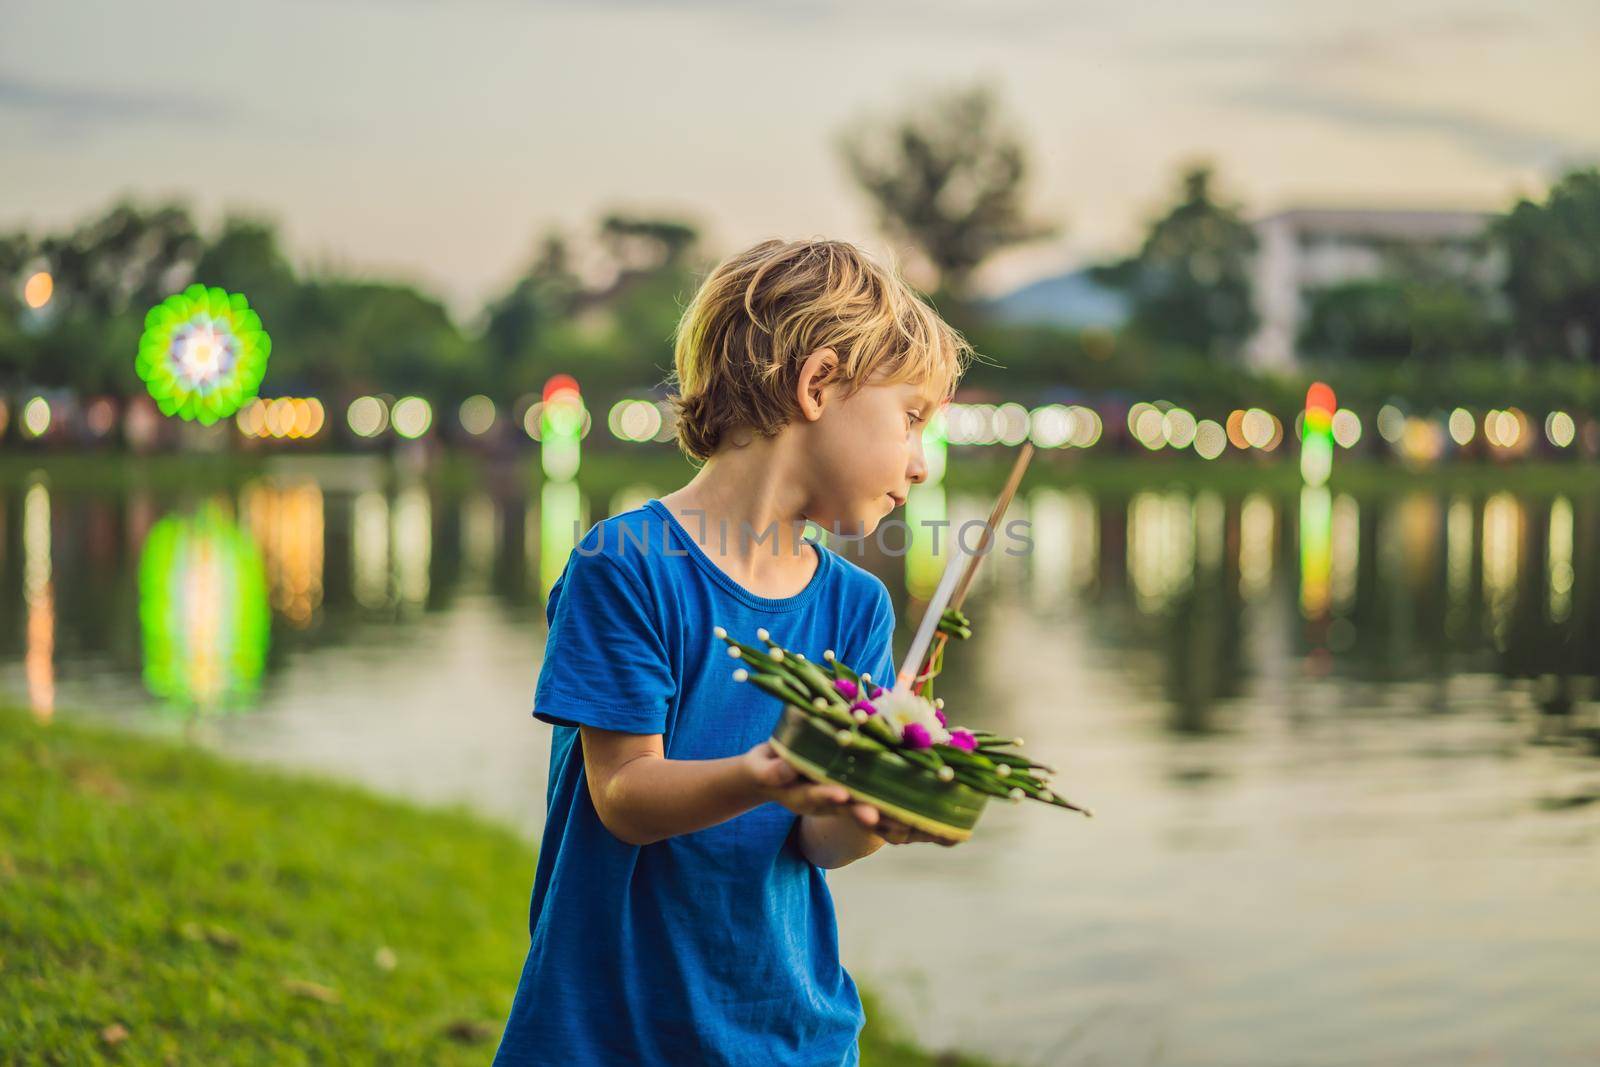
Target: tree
1553,269
1190,281
516,322
1426,305
347,336
16,252
108,272
245,258
610,325
949,179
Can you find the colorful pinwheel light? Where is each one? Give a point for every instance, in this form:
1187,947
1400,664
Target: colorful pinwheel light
203,353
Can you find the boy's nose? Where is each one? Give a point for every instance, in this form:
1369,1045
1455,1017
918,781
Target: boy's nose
918,471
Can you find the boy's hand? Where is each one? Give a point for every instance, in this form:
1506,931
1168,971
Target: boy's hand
777,781
891,829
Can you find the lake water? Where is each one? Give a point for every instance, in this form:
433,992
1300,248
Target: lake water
1344,753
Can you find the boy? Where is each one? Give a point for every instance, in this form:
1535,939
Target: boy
680,915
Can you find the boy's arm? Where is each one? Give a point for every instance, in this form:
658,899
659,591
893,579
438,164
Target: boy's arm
643,797
831,841
842,837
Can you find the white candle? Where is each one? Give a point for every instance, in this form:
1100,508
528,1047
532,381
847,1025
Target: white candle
930,621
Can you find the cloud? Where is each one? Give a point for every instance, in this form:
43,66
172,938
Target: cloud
82,109
1294,50
1495,140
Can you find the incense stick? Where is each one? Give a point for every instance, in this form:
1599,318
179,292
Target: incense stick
949,593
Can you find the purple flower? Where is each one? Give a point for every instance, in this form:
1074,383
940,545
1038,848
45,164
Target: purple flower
963,739
864,705
846,688
877,691
938,713
916,735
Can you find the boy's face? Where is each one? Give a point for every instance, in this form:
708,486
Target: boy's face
866,452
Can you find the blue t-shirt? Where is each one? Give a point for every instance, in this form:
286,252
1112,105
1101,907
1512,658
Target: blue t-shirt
708,948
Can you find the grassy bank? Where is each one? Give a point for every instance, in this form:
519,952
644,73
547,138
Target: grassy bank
161,905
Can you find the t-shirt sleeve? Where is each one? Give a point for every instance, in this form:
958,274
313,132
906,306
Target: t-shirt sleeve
605,663
877,658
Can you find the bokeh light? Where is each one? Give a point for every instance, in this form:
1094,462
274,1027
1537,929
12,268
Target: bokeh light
1463,427
1506,430
412,416
1178,427
100,416
1148,426
477,415
1560,429
38,289
1257,428
36,416
368,416
1346,428
1235,429
1210,439
1391,423
1086,427
1011,423
1051,426
634,420
1421,441
1316,439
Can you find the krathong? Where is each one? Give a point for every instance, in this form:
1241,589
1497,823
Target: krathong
895,748
203,353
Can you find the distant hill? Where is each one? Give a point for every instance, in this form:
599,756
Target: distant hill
1071,299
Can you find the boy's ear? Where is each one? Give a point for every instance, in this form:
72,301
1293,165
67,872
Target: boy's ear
816,374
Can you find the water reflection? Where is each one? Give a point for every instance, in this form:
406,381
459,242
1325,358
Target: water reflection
1502,552
369,550
412,540
287,524
39,596
1312,724
1392,587
204,620
1258,524
1559,559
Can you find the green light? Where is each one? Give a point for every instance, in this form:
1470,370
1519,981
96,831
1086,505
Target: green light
203,353
1316,435
561,425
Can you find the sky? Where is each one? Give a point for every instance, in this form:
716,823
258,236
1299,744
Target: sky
435,141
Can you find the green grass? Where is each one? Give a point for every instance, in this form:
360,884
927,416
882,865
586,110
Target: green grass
161,905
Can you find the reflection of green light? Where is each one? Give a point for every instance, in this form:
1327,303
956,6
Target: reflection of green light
1316,550
925,508
203,611
936,446
560,512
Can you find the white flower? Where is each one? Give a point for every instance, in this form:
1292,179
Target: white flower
902,708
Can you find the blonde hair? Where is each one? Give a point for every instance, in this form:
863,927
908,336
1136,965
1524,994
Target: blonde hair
743,339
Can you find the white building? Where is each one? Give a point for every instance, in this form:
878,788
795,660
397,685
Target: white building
1306,249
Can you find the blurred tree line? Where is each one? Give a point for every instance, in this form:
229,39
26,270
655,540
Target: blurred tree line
337,336
947,180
